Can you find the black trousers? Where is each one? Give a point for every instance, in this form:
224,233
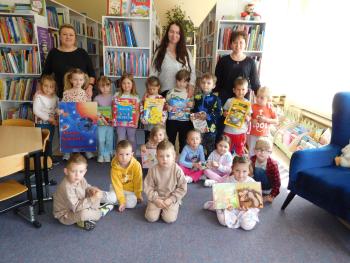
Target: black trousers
178,127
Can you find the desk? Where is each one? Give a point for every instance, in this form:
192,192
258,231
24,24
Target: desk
20,141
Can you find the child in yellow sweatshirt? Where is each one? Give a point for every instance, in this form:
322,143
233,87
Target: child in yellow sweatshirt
126,177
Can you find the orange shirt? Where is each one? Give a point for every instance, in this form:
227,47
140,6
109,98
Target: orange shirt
262,128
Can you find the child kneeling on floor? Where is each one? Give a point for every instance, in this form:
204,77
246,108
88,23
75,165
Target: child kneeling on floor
75,201
165,186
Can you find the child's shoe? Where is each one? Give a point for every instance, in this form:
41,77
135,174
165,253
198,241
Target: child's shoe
203,177
66,156
209,182
107,159
89,155
100,159
106,208
87,225
188,179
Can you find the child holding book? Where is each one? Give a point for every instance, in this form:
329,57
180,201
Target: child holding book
152,92
179,107
266,170
262,117
210,105
75,81
192,157
165,186
237,135
75,201
219,162
105,132
45,105
127,90
246,218
126,176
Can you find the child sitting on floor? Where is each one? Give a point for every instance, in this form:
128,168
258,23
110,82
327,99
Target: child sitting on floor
165,186
75,201
157,135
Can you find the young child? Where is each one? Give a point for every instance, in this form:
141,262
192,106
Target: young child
127,90
266,170
210,104
157,135
75,81
165,186
45,105
219,162
192,157
237,136
75,201
262,117
105,133
179,106
235,218
152,91
126,176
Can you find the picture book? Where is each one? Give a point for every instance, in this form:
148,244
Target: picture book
237,113
140,7
148,158
124,112
78,126
153,110
117,7
104,114
179,109
198,122
237,195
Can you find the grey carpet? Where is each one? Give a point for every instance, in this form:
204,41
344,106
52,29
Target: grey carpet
303,233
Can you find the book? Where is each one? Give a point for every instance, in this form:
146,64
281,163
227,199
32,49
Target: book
104,115
124,112
198,122
237,195
114,7
153,110
78,126
140,7
237,113
148,158
179,110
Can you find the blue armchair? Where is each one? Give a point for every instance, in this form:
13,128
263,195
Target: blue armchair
313,174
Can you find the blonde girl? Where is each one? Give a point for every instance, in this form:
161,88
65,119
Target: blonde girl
157,135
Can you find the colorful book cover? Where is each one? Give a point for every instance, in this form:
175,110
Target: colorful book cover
237,195
104,115
153,110
148,158
140,7
238,111
198,122
124,112
44,43
179,109
114,7
78,126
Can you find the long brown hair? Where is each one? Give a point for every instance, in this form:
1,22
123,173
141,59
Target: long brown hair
181,51
68,76
131,78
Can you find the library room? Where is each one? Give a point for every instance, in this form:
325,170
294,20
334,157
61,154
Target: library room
174,131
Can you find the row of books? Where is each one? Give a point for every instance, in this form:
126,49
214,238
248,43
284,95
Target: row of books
78,26
129,7
15,29
118,62
91,47
90,32
255,36
19,61
55,18
205,48
24,111
17,89
116,33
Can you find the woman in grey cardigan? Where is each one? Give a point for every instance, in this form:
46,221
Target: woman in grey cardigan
171,56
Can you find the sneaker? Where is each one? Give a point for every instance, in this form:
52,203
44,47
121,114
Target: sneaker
188,179
106,208
209,182
208,205
66,156
203,177
107,159
100,159
89,155
87,225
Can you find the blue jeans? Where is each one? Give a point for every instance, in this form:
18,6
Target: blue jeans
51,128
105,135
260,176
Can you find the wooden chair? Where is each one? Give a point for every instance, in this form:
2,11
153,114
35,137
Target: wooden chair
12,188
18,122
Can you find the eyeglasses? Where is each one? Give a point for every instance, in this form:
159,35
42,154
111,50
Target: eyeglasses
262,151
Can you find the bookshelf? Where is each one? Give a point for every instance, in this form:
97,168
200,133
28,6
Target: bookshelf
128,45
191,45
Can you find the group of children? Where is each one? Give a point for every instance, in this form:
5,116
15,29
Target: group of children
166,182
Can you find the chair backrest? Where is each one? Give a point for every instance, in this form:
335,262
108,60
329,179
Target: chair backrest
45,134
18,122
341,119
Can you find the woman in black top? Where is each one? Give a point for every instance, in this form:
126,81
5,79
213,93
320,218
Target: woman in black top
67,56
235,65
